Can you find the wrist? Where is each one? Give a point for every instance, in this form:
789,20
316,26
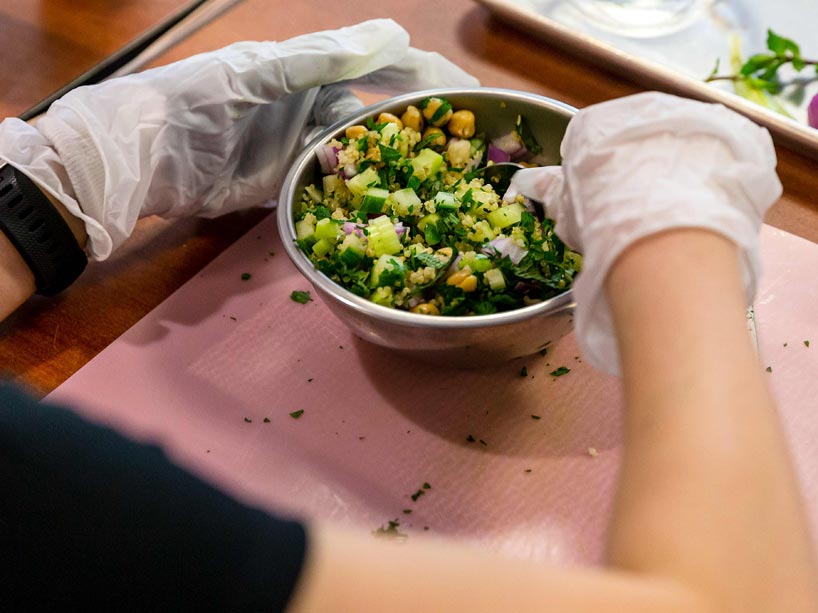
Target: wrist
40,232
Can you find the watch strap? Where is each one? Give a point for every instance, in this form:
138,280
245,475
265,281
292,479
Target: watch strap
39,233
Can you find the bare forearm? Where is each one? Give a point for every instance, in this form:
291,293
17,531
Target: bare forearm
707,493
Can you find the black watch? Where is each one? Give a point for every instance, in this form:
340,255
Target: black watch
38,232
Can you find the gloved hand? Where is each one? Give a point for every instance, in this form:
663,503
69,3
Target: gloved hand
209,134
639,165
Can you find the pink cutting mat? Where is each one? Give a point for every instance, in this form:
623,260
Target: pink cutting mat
520,464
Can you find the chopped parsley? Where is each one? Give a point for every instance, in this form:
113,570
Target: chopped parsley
417,495
523,372
769,369
536,417
562,370
470,439
407,511
248,420
426,485
301,297
245,276
266,420
297,414
806,343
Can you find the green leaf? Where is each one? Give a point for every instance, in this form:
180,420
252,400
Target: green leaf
297,414
780,45
562,370
388,154
757,62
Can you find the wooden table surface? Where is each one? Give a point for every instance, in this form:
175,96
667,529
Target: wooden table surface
46,43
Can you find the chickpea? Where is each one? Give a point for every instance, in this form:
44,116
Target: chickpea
461,124
356,131
440,141
469,284
426,308
457,277
412,118
431,108
445,253
390,118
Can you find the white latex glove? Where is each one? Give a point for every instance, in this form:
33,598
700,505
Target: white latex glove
643,164
212,133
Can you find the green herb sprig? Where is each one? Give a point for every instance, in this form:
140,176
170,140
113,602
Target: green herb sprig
757,78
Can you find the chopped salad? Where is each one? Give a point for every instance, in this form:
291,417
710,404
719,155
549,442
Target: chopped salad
403,218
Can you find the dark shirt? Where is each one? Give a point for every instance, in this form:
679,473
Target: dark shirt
89,518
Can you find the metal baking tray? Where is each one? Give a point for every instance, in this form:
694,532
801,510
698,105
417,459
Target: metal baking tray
678,62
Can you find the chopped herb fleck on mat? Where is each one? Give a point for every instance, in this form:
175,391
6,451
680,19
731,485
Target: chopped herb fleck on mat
245,276
562,370
297,414
301,297
523,372
390,530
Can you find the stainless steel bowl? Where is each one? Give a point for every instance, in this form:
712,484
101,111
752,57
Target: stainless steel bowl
459,341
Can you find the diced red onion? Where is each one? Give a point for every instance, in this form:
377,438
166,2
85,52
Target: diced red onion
327,158
510,143
351,226
455,264
497,155
504,246
399,229
522,287
812,112
521,154
414,301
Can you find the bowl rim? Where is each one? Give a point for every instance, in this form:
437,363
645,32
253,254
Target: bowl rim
286,225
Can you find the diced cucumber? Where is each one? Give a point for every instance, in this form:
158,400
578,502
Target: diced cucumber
481,232
405,202
374,200
446,201
432,218
361,182
382,236
322,247
478,262
389,131
383,296
494,277
351,250
426,164
327,228
481,199
477,144
304,229
506,215
388,270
